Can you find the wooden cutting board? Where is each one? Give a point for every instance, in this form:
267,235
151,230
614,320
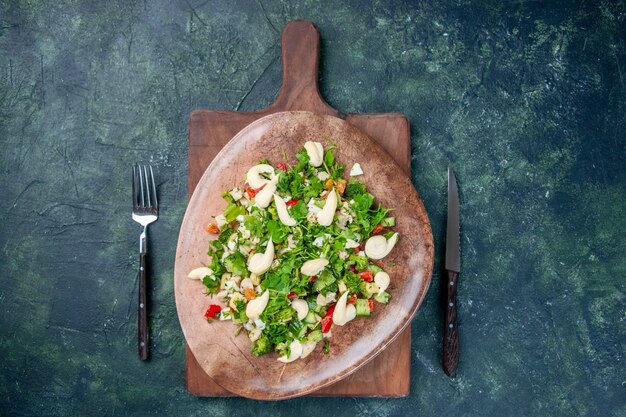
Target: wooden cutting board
388,374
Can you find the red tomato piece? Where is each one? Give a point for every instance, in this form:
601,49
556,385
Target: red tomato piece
292,202
253,192
291,294
377,229
352,300
366,276
371,303
313,278
282,166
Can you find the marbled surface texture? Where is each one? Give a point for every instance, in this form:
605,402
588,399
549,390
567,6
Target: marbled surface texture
525,99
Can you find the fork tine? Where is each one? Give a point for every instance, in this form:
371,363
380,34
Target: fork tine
154,193
147,188
141,191
134,186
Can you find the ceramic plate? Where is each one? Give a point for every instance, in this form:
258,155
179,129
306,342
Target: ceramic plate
227,359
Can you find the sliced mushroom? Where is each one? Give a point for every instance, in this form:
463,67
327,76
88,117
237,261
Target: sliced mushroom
253,177
350,312
325,217
264,197
256,306
200,273
339,315
295,351
301,307
307,348
261,262
313,266
377,247
283,214
315,150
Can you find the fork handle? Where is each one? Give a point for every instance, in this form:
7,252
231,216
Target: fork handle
142,312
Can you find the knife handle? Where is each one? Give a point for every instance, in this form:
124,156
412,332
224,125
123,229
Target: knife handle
142,310
451,327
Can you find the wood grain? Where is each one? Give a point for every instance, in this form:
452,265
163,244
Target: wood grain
387,375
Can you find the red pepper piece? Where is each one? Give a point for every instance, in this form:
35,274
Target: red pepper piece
313,278
371,303
282,166
377,229
330,311
327,323
212,311
366,276
291,294
292,202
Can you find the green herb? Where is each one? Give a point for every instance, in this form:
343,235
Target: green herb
249,228
261,346
236,264
211,283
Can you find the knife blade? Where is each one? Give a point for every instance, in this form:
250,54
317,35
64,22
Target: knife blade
450,357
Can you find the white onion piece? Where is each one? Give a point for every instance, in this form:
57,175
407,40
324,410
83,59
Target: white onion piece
301,307
256,306
382,280
313,266
253,177
200,273
259,263
377,247
264,197
339,315
315,150
283,214
295,350
356,170
325,217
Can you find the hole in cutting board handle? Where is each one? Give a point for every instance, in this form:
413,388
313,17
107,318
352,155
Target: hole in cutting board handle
301,58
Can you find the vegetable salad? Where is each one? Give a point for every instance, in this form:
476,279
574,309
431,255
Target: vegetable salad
297,253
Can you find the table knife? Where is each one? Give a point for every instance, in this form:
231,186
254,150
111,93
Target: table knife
450,357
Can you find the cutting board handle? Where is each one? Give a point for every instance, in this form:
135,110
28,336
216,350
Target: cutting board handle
301,59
